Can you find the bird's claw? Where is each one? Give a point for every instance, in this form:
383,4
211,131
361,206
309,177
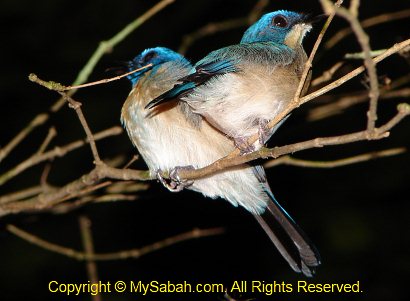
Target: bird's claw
175,183
242,144
264,132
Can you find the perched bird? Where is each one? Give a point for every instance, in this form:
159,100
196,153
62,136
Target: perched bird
240,88
171,136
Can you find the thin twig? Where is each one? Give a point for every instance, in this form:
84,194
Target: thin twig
21,195
55,86
106,80
384,18
326,75
126,254
392,50
83,75
70,206
133,159
289,160
47,200
108,45
346,101
76,106
87,239
58,151
40,119
85,191
50,135
126,187
308,64
44,175
360,55
370,65
215,27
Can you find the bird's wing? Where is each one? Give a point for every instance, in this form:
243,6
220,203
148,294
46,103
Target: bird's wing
201,74
223,61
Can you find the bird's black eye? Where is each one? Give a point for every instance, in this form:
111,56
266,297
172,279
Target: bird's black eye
149,56
280,21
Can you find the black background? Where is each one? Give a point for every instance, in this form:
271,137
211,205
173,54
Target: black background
357,215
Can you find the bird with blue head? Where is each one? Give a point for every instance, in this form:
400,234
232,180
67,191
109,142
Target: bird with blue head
239,89
172,136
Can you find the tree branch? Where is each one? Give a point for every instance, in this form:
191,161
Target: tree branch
83,75
364,42
308,64
76,106
87,238
126,254
58,151
288,160
376,134
337,83
215,27
373,21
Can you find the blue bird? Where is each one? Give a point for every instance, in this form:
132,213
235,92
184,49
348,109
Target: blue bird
240,88
172,136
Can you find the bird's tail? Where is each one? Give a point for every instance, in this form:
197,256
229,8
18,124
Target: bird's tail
289,239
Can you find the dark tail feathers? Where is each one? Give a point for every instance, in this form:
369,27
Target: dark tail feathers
289,238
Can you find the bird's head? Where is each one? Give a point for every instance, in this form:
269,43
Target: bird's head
284,27
151,56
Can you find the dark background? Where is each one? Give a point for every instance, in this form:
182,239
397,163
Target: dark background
357,215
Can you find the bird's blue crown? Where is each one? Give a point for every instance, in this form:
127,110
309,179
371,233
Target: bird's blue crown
273,27
154,56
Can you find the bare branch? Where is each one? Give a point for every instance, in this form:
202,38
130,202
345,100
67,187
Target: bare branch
327,75
126,254
76,106
83,75
361,55
87,238
108,45
288,160
337,83
370,65
345,101
384,18
44,175
47,200
70,206
55,86
21,195
36,122
50,135
213,28
308,64
56,152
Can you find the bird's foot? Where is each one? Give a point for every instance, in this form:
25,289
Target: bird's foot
242,144
175,183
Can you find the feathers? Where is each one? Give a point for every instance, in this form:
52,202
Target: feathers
235,89
289,238
203,72
239,87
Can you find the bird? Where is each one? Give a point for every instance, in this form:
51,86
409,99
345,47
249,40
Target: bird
240,88
172,137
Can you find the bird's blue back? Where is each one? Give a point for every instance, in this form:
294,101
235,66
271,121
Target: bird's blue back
263,42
